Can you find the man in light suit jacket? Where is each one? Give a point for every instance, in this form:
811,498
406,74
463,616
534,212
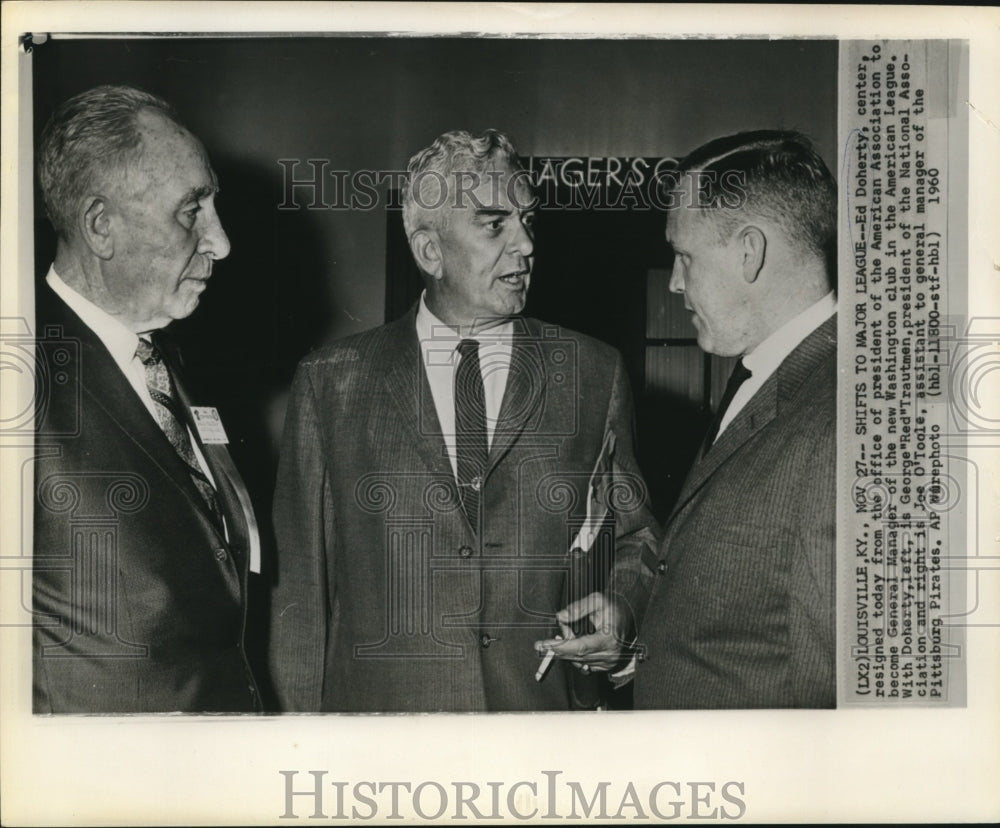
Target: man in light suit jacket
436,474
742,612
143,528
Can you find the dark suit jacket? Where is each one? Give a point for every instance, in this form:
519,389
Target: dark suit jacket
743,612
386,599
138,597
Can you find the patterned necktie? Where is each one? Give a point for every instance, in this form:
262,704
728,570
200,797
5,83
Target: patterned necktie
471,449
740,375
168,415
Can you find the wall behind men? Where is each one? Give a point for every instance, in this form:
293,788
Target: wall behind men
369,103
297,276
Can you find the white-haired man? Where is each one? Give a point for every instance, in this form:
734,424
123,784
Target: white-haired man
434,473
143,529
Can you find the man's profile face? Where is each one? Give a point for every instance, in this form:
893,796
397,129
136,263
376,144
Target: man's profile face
166,232
707,273
486,248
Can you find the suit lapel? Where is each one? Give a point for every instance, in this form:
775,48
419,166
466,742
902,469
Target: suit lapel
239,522
404,381
237,566
102,380
525,391
763,407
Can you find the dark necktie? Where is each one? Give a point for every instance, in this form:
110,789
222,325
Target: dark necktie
471,448
168,415
740,375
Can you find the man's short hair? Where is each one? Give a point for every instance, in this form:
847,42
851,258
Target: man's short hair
431,173
89,139
775,174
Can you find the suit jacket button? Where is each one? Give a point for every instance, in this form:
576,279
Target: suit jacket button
662,567
220,553
465,551
485,640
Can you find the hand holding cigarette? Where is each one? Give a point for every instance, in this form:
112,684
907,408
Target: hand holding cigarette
543,668
601,649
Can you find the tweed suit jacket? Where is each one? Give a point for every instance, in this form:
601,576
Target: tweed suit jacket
742,613
139,597
386,599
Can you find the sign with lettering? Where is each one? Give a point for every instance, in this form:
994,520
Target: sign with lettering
601,183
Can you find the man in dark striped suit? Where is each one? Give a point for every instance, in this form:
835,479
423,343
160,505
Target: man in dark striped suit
742,612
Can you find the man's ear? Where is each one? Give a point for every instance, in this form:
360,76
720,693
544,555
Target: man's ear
427,252
95,227
754,250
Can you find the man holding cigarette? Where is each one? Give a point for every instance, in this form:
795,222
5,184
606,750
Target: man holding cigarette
444,479
742,612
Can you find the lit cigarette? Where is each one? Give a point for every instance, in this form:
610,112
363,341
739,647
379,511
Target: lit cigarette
543,668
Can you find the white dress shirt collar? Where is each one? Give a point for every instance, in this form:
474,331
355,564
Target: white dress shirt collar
429,328
121,344
439,354
764,360
769,354
118,339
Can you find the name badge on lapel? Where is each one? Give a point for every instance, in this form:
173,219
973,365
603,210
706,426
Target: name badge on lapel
209,425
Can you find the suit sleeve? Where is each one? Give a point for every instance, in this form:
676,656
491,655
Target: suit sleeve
303,522
637,532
